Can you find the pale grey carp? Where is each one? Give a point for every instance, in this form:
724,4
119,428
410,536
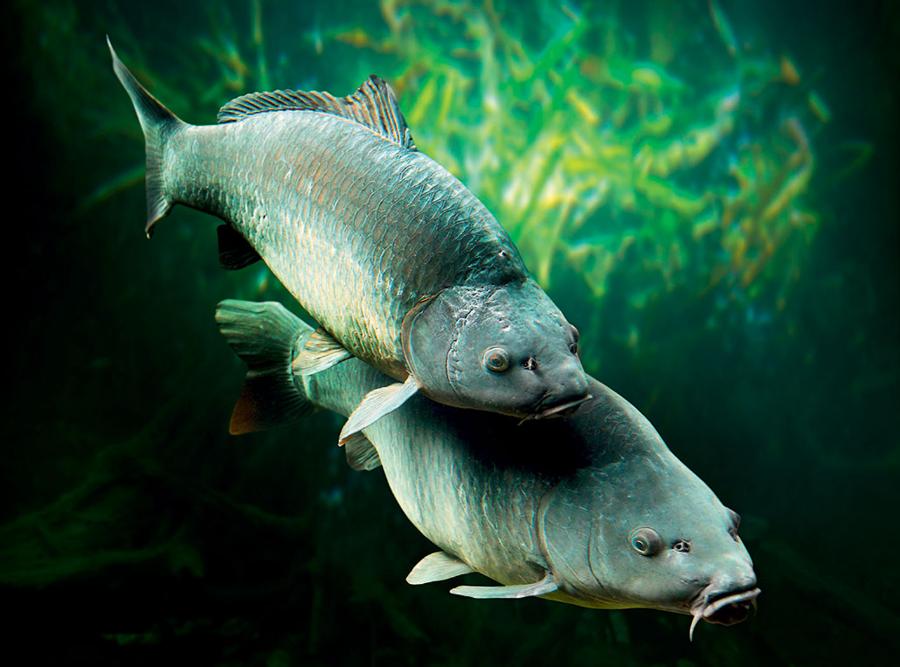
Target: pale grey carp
400,264
592,510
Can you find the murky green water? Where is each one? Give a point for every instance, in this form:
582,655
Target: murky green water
708,190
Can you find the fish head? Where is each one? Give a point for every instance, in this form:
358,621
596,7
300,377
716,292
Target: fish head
503,348
637,528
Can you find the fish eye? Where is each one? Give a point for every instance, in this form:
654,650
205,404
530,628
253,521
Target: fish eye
496,359
645,541
735,524
573,346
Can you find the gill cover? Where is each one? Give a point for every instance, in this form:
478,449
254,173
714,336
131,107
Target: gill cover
504,348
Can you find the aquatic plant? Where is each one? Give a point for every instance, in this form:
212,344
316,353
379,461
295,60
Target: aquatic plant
602,151
606,156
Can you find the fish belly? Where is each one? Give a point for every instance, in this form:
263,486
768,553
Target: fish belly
357,228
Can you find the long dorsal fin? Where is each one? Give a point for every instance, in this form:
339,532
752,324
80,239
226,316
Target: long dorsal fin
373,105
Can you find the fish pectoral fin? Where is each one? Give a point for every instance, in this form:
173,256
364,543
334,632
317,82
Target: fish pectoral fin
542,587
263,335
376,404
437,567
234,250
320,352
361,453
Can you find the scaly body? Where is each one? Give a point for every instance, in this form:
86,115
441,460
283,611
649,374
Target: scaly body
357,228
592,510
399,263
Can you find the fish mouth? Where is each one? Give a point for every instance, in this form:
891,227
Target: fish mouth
561,410
723,607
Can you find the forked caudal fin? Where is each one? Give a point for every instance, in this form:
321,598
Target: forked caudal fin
271,340
159,124
264,336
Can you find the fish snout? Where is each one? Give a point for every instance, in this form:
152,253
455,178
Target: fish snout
728,599
565,396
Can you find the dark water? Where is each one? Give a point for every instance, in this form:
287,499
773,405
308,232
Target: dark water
709,191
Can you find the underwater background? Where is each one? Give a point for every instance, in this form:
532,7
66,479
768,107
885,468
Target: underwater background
709,190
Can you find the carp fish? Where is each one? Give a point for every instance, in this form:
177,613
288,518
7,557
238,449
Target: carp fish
610,519
400,264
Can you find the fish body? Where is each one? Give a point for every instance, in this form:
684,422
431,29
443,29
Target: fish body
592,510
356,227
401,265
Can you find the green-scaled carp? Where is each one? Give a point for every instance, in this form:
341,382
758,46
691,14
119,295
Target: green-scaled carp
401,265
592,510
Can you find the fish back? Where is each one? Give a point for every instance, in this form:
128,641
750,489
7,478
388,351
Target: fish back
357,227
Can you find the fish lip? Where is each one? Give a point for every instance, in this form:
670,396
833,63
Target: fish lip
561,410
725,607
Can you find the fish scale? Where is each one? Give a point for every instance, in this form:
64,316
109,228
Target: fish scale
383,246
311,218
558,522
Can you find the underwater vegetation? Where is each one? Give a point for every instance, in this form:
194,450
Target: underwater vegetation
706,188
601,150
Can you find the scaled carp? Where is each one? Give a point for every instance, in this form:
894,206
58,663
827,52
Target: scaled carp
400,264
592,510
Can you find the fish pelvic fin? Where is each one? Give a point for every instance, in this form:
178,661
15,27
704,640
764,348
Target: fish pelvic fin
158,124
361,453
235,252
374,105
376,404
437,567
265,336
542,587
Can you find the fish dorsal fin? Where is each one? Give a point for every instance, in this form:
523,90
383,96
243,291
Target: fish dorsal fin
374,105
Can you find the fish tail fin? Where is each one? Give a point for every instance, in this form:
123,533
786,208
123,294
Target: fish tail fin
265,336
159,124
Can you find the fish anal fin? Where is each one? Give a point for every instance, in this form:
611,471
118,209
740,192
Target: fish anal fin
234,250
376,404
320,352
437,566
542,587
361,453
373,106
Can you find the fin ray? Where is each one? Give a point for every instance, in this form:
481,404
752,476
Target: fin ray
234,251
437,566
374,106
320,352
376,404
542,587
361,453
158,124
264,335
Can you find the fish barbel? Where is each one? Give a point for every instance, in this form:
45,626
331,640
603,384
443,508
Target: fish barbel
593,510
